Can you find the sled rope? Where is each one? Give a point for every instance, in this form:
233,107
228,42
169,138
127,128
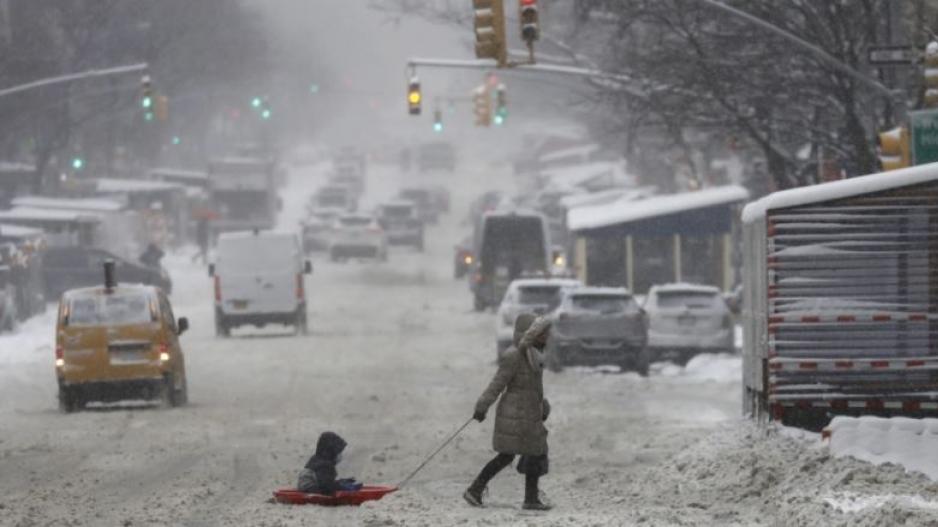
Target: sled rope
435,452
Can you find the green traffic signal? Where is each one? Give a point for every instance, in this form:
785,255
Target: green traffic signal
176,140
266,114
147,102
78,163
314,88
256,102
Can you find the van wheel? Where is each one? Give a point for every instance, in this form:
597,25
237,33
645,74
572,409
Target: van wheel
221,329
301,324
640,364
181,396
168,392
68,403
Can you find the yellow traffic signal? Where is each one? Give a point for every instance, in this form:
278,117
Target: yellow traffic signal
482,105
931,75
894,150
414,96
489,24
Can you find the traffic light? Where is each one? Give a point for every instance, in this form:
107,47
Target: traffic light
414,96
437,121
489,24
78,163
528,15
256,103
894,149
146,98
501,104
482,105
931,75
262,106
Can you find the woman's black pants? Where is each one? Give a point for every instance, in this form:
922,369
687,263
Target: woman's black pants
496,465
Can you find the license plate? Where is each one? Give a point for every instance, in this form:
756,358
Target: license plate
128,357
239,304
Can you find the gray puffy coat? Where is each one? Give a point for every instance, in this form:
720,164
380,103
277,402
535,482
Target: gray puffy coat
519,388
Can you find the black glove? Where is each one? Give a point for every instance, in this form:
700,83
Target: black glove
545,410
479,416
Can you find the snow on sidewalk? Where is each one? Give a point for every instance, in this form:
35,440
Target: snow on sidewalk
911,443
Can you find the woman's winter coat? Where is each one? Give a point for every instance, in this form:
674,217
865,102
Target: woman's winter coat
518,386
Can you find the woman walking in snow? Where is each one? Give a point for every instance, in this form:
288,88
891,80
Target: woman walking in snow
519,417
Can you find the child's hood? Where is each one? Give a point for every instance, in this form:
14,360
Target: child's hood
329,446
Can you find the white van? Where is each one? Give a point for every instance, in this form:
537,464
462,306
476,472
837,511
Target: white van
259,281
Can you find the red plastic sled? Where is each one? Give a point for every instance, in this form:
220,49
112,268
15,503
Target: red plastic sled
342,497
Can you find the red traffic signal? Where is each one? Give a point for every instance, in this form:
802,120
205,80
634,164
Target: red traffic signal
530,29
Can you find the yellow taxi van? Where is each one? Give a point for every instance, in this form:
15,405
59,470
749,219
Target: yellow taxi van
118,342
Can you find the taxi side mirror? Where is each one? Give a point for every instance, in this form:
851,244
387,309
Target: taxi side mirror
308,267
211,270
182,325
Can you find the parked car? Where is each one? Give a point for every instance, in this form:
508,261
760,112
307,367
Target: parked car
595,326
427,207
116,342
358,236
436,156
539,296
67,268
401,223
259,280
316,234
8,310
463,258
685,320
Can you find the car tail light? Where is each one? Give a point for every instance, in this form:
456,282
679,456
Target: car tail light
164,352
300,288
477,278
217,289
59,357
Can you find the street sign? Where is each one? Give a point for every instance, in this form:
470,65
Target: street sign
890,55
924,124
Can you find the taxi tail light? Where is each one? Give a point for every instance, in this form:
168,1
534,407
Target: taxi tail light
164,352
59,356
300,287
217,289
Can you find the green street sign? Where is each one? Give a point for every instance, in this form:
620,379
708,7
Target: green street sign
924,125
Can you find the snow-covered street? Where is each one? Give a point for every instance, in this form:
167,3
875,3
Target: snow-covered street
394,362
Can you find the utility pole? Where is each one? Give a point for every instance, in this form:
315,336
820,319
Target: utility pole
896,77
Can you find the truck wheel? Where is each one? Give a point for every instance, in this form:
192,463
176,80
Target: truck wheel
478,304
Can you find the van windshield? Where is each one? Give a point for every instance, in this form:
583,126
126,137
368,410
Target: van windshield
111,310
256,254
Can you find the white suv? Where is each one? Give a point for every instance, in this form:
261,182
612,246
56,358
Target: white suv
537,296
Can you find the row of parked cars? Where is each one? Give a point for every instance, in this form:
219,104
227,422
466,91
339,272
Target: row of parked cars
595,326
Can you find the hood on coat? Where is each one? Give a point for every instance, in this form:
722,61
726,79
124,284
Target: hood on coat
537,329
328,448
522,324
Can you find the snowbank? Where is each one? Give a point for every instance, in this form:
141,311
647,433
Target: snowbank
911,443
33,341
706,367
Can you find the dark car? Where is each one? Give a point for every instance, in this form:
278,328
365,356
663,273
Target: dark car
427,206
67,268
596,326
401,223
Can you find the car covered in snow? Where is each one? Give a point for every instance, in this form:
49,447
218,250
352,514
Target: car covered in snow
597,326
118,342
401,223
687,319
537,296
358,236
259,280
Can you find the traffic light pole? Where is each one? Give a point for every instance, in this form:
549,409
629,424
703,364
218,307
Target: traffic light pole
89,74
554,69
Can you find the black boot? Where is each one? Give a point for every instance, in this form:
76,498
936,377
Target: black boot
473,494
532,499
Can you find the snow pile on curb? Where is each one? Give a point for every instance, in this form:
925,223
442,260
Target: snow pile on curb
716,367
32,341
911,443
